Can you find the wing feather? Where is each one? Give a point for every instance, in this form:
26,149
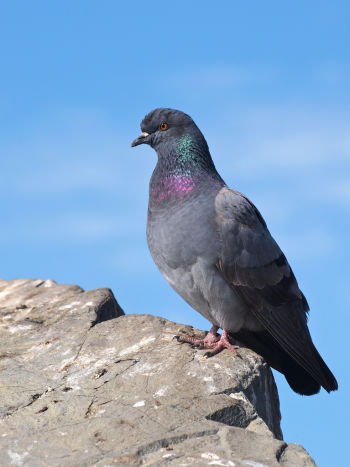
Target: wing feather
254,265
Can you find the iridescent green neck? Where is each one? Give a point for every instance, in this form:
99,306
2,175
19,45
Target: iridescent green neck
188,155
186,149
182,169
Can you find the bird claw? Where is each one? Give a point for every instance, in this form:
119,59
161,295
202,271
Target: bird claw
211,341
206,343
186,340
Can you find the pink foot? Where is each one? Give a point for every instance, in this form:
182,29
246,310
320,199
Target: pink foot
211,341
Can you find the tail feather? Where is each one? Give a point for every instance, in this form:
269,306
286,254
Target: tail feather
297,377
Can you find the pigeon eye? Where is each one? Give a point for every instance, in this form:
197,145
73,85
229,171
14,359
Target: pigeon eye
163,126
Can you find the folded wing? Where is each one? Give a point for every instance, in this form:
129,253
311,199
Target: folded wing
254,265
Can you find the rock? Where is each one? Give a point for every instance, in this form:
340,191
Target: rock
80,388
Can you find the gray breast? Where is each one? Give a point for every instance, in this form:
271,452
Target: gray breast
179,233
178,239
184,245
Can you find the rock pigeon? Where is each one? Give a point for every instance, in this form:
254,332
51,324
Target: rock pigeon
213,247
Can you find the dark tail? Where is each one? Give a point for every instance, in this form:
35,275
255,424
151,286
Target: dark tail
298,378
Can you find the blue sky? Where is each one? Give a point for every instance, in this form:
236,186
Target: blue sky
267,83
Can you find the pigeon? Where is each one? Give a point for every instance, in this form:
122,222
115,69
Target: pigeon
213,247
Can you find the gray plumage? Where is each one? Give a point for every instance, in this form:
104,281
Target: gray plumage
213,247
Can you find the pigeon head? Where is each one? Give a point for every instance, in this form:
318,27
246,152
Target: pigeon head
163,128
183,153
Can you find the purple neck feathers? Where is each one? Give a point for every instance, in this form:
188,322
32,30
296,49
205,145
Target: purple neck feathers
182,170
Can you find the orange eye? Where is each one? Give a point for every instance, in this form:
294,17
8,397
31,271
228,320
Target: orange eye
163,126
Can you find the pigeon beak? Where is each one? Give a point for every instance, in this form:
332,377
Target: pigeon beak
140,140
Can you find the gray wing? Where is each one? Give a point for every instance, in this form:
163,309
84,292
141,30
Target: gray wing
254,265
250,258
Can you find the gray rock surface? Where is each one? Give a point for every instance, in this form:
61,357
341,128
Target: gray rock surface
80,388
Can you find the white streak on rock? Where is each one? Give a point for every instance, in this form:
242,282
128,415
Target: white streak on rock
139,404
208,378
254,463
16,459
136,347
210,456
161,391
222,462
66,307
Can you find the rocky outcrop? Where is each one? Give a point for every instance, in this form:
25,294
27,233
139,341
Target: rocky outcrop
81,388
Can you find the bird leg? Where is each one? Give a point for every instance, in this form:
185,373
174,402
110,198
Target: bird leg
211,341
